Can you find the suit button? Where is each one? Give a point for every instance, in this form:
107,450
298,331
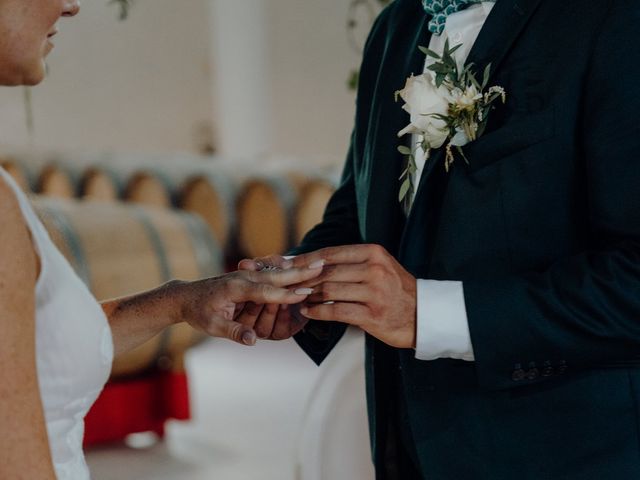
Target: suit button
548,370
533,374
518,375
562,368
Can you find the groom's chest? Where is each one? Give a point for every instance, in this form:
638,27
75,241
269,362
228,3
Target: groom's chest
542,72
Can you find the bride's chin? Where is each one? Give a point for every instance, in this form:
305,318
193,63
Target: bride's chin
35,75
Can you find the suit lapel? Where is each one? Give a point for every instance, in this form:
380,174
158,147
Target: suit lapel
384,219
502,28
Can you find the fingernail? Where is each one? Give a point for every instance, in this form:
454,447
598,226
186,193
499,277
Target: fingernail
303,291
249,338
304,311
287,264
317,264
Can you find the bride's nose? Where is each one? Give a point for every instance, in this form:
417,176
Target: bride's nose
70,8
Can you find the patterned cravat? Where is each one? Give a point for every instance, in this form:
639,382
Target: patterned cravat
441,9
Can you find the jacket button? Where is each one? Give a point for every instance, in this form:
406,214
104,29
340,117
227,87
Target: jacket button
533,374
518,375
562,368
547,370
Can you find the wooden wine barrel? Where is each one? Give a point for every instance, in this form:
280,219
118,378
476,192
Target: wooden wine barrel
147,189
312,202
98,185
191,186
134,186
265,210
56,181
120,249
212,197
17,172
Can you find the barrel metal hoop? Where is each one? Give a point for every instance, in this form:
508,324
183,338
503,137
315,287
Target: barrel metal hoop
161,252
287,195
167,183
156,241
73,241
204,245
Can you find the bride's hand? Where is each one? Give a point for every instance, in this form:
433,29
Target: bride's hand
273,321
214,305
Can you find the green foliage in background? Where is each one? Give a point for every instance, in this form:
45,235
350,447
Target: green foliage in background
124,7
369,9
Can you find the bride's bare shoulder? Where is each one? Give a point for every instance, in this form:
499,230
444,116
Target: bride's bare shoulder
18,260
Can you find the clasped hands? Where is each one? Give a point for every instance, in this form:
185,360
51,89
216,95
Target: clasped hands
360,285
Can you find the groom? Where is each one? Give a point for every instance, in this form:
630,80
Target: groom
503,312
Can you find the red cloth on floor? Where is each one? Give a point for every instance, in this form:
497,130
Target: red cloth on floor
142,404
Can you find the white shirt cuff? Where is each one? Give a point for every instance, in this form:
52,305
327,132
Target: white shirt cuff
442,325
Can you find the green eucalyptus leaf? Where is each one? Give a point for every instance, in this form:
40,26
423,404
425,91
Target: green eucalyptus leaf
404,150
404,189
454,49
487,75
429,53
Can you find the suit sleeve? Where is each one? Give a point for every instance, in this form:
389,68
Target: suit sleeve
339,226
584,311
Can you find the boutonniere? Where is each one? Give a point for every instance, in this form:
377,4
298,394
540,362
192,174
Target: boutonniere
446,105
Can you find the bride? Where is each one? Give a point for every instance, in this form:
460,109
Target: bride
57,342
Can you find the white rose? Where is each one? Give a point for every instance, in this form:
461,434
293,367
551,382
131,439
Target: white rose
466,100
422,100
460,139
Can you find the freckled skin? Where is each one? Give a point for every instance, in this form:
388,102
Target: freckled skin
211,305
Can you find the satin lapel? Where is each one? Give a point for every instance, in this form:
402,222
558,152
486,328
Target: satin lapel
502,28
384,217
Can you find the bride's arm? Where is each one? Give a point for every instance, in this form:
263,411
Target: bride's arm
24,447
209,305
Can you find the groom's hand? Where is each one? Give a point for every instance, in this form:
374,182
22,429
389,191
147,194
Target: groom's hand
363,285
271,321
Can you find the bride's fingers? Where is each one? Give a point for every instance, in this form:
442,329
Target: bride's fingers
257,264
282,278
239,289
233,331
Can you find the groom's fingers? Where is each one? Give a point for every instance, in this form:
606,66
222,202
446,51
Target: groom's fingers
266,321
283,325
341,255
340,292
350,313
350,273
249,314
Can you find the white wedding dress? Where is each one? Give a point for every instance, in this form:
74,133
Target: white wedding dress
73,347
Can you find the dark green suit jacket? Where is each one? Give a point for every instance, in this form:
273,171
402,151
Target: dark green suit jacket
543,228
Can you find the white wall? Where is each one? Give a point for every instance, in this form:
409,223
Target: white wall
142,84
312,60
152,82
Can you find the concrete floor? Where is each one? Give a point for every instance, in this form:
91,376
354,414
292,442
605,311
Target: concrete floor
247,406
